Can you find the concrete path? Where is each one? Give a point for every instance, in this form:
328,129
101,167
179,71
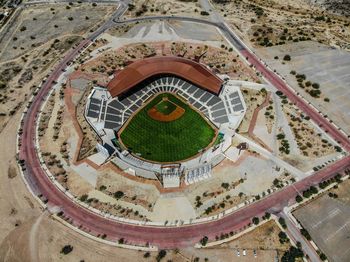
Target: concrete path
293,170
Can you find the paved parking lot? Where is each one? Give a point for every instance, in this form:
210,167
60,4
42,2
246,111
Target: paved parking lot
328,222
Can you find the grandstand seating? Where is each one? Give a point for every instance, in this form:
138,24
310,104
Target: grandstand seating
116,112
171,176
198,174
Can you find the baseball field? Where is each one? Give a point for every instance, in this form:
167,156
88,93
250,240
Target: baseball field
167,129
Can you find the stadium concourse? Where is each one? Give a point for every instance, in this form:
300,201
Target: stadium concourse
213,96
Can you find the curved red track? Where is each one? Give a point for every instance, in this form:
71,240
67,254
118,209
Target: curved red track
160,236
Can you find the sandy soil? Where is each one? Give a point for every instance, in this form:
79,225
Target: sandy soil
163,7
253,99
343,192
221,60
263,237
327,66
232,183
268,23
28,50
310,142
50,237
42,23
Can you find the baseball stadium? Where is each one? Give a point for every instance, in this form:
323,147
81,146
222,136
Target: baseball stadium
166,118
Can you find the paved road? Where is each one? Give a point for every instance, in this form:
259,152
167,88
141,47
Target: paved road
294,233
42,2
274,79
220,25
160,236
123,7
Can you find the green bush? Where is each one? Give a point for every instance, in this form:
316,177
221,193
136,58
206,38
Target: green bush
287,58
299,198
204,241
66,249
118,194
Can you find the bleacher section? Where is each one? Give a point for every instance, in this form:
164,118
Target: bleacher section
116,112
198,174
138,162
107,114
171,177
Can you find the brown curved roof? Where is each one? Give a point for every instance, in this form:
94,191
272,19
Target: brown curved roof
142,69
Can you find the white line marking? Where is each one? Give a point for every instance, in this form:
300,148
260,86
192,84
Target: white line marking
336,232
330,215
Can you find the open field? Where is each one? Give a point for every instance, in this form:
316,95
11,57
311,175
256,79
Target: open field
320,64
264,237
269,23
167,141
327,220
164,7
49,237
42,23
33,42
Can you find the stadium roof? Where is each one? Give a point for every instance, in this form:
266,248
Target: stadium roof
140,70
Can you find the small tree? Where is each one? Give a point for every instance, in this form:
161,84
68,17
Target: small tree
282,222
283,238
323,257
204,241
299,198
316,85
225,185
83,198
66,249
267,215
305,233
255,220
161,255
118,194
287,58
121,241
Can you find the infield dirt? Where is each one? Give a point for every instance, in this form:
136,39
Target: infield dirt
166,111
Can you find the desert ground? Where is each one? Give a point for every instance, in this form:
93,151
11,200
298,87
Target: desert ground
34,42
284,146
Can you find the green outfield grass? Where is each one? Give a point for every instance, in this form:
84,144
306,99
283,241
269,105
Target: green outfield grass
167,141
